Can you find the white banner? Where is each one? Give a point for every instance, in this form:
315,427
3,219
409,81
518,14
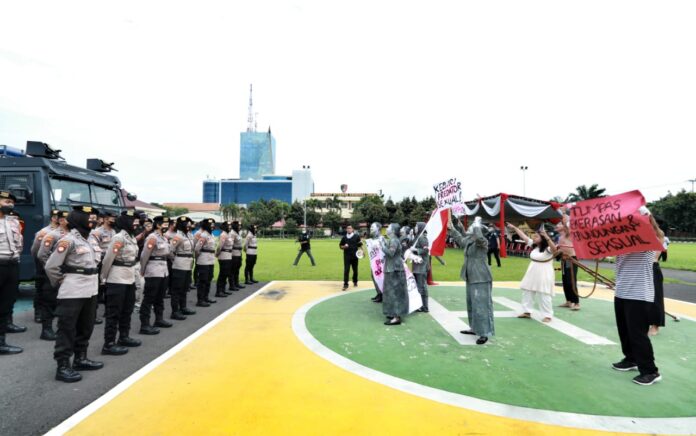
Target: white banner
374,250
415,301
448,193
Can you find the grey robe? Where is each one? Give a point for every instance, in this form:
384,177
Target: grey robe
395,298
479,281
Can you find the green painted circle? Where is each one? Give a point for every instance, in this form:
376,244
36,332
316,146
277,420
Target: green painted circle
527,364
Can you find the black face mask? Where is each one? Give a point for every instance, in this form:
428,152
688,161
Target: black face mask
80,222
7,208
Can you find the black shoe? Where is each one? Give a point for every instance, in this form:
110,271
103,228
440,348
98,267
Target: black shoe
14,328
193,286
82,363
392,322
467,332
209,301
344,287
482,340
253,281
66,374
624,366
248,283
647,379
221,294
203,304
187,311
177,316
37,318
149,330
127,341
98,320
355,284
47,334
423,309
8,349
163,323
240,286
235,289
114,350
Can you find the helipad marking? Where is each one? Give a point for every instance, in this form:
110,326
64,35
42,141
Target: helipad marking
564,327
563,419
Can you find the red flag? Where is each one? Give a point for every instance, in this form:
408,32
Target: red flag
437,231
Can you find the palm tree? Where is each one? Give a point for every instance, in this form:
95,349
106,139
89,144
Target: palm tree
230,211
585,193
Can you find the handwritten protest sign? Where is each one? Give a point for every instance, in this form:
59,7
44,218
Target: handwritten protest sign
415,301
613,225
374,251
448,192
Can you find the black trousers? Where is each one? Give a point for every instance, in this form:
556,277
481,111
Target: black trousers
301,252
180,282
570,282
120,300
657,311
249,267
236,266
153,297
39,280
496,253
663,256
348,263
9,284
205,276
169,276
224,274
75,325
632,322
47,302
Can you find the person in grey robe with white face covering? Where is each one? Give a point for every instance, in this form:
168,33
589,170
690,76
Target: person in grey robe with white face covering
395,295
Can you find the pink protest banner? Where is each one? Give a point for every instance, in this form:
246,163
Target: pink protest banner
374,251
613,225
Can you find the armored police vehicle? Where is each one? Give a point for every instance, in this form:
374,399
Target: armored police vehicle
42,180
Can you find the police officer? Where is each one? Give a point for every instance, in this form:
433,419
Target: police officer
205,261
224,255
48,293
250,247
101,238
40,274
181,253
169,234
153,266
11,244
236,256
119,276
72,268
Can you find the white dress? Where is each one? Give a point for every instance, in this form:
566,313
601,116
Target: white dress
540,276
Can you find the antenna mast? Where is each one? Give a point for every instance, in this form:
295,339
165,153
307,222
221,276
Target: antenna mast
251,122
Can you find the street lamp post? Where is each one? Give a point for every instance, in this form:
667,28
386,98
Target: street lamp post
692,181
524,169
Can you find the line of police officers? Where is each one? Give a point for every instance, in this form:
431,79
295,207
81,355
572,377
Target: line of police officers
77,260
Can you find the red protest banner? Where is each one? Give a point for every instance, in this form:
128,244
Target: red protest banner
613,225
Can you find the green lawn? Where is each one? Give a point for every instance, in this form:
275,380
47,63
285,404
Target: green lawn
681,256
276,256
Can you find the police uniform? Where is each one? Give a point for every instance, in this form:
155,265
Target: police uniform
181,254
205,261
40,274
153,266
250,247
118,273
101,238
224,255
236,257
48,293
72,269
11,244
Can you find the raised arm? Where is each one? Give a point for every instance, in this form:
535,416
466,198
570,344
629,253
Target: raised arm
520,233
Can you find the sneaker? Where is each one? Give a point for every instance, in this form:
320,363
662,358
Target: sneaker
647,379
624,366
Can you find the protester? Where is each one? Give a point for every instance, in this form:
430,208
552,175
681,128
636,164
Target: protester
478,277
350,244
657,312
376,233
539,280
633,303
493,244
665,244
420,269
395,293
569,270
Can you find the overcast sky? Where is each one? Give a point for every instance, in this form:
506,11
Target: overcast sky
378,95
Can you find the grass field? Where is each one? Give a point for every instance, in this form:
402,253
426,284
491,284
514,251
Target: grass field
276,256
681,256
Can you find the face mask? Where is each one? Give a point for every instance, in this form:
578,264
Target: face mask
92,224
7,208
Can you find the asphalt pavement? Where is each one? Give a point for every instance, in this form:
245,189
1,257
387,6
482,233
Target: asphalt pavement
32,401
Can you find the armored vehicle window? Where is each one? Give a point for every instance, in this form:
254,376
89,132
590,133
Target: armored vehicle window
21,185
105,196
69,190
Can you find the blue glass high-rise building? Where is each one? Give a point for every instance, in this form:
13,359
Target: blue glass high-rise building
257,152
